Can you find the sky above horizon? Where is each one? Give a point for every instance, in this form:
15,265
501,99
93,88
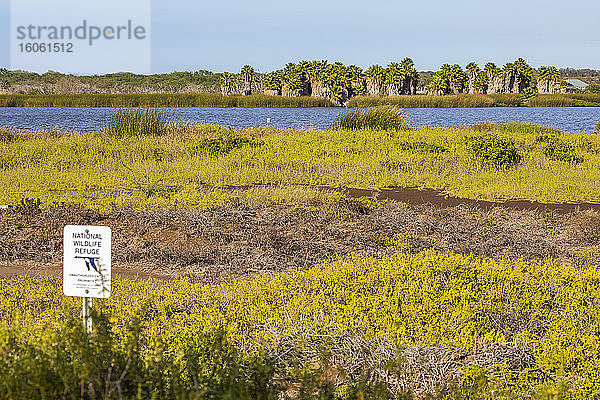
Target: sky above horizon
222,36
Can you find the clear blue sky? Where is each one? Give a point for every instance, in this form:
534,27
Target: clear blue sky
226,34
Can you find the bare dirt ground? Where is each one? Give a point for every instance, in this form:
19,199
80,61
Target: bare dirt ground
235,241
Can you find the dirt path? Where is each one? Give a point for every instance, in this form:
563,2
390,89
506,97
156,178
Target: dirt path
417,197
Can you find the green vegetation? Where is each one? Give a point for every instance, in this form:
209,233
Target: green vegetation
559,150
357,327
159,100
122,82
168,165
477,100
499,151
548,78
138,122
248,74
353,328
593,88
378,118
318,79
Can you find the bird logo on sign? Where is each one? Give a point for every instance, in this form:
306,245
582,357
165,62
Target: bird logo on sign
91,262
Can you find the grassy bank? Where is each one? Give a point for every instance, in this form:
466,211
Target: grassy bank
260,100
173,164
477,101
159,100
345,328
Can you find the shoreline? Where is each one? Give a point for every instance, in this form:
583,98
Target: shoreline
197,99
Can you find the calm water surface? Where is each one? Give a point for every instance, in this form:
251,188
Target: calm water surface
570,119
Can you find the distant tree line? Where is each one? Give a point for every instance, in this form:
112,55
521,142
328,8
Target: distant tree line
334,81
339,82
516,77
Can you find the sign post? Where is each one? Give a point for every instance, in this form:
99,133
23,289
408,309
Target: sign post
86,265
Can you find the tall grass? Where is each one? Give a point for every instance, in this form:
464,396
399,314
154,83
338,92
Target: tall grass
159,100
425,101
260,100
378,118
138,122
477,100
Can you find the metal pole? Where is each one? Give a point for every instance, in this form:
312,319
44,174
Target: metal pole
87,318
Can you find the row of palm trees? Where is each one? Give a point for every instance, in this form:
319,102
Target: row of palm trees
515,77
548,79
339,82
334,81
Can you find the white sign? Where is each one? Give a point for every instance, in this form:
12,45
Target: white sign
86,265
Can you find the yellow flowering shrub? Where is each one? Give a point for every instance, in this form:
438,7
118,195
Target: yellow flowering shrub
428,299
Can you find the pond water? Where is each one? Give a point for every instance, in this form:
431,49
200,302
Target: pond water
569,119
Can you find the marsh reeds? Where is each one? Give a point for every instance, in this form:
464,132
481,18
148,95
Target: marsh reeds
477,101
377,118
159,100
138,122
260,100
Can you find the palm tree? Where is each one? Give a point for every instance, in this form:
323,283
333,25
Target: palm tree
523,75
338,82
272,83
437,86
394,79
472,72
494,78
305,69
293,82
356,77
375,80
318,73
248,74
542,79
508,78
553,80
227,82
548,78
458,79
441,81
481,83
411,77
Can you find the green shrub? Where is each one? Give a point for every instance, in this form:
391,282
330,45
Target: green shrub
593,88
559,150
500,151
546,137
528,94
72,364
378,118
598,127
138,122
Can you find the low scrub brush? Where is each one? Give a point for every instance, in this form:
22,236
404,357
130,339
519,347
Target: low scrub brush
497,150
